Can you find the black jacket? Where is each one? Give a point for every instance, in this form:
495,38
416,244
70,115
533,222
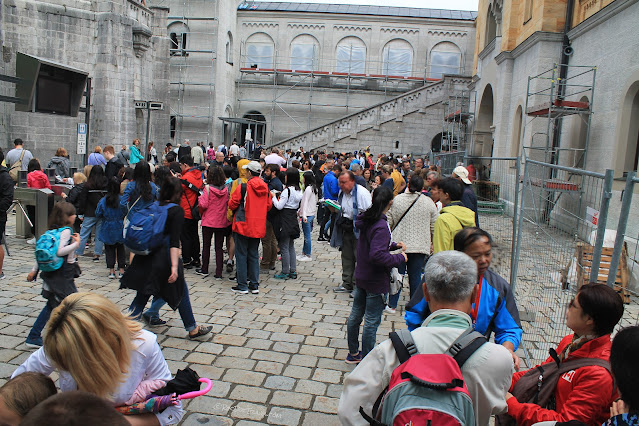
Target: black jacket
112,167
6,192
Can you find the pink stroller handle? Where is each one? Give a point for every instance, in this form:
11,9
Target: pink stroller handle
195,394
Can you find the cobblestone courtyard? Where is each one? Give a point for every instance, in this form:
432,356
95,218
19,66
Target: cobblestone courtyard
276,357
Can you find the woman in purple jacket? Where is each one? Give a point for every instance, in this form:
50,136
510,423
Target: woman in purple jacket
372,273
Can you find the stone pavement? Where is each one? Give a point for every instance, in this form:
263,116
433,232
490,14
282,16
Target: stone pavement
276,357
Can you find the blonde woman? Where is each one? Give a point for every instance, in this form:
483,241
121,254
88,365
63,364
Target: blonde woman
97,349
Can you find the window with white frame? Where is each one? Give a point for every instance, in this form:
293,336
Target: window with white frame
445,58
229,48
304,53
397,57
351,56
259,51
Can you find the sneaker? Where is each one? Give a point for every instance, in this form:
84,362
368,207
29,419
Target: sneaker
389,310
321,239
229,266
31,241
201,331
2,276
236,289
112,276
232,277
305,258
254,289
153,322
354,359
299,257
281,276
196,264
96,259
186,264
34,344
341,289
293,275
217,277
199,271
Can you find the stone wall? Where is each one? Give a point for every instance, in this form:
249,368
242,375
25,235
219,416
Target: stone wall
122,47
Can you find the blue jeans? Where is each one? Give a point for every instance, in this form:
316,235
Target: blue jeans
35,335
185,310
367,306
247,261
154,309
307,227
415,267
85,231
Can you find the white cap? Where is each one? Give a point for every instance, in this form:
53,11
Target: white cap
253,166
462,173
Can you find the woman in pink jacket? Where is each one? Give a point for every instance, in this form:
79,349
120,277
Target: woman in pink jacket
213,205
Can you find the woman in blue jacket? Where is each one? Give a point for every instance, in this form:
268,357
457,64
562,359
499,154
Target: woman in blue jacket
496,311
372,274
112,215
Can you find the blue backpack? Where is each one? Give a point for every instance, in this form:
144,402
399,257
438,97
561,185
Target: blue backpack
46,250
144,228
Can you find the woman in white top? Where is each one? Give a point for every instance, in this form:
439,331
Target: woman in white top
97,349
308,210
288,229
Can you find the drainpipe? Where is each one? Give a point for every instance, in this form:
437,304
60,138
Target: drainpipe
566,51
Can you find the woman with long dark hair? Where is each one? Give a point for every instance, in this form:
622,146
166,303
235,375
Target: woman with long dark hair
308,210
288,230
91,194
112,215
140,192
372,273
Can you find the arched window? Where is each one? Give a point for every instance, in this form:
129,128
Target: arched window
445,58
304,53
491,26
229,48
351,56
397,57
177,34
631,159
259,51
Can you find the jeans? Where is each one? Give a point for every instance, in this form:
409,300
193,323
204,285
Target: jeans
185,310
287,250
367,306
415,267
35,335
269,247
247,261
349,257
190,241
307,227
154,309
110,250
207,235
85,232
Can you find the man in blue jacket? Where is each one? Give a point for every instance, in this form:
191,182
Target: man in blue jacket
331,191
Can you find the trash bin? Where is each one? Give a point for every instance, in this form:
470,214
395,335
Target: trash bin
39,198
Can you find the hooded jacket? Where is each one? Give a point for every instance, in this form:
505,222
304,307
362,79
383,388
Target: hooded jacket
451,220
37,179
585,394
243,178
214,202
6,192
256,203
61,166
190,197
374,260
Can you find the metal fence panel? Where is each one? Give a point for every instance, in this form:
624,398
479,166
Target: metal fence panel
449,161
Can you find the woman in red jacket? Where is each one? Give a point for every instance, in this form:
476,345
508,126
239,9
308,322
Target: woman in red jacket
584,394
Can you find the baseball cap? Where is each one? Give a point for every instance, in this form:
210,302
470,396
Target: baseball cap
462,173
253,166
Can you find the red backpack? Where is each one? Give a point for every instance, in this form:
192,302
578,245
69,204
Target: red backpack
427,389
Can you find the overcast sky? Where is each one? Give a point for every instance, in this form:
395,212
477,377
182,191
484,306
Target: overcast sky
430,4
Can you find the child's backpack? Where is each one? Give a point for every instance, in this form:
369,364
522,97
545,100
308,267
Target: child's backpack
144,229
210,154
46,250
427,389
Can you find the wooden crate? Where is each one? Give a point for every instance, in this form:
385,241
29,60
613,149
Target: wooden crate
584,263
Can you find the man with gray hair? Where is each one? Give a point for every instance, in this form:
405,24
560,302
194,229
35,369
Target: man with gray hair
358,172
450,288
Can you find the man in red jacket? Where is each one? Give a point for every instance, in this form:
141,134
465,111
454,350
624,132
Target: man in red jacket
249,204
191,186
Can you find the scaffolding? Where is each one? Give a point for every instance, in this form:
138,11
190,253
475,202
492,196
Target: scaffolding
459,113
192,76
551,99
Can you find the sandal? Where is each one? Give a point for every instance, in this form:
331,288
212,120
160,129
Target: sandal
201,331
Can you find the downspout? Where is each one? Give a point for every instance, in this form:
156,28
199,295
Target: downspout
566,52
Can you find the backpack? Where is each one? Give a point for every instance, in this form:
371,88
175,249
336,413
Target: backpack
210,154
14,171
427,389
538,385
46,250
144,228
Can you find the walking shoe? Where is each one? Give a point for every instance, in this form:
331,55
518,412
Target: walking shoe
112,276
196,264
321,239
281,276
34,344
96,259
31,241
199,271
229,266
201,331
186,264
293,275
153,321
232,277
341,289
354,359
217,277
304,258
254,289
238,290
2,276
389,310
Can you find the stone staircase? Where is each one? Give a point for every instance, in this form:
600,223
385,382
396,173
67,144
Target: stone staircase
406,123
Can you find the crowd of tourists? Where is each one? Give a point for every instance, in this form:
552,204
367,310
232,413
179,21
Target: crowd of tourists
395,220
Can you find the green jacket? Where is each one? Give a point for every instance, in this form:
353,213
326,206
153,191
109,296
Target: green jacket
451,220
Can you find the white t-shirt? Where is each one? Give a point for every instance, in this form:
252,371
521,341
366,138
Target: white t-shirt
234,150
275,159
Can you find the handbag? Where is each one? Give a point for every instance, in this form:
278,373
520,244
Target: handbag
396,281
